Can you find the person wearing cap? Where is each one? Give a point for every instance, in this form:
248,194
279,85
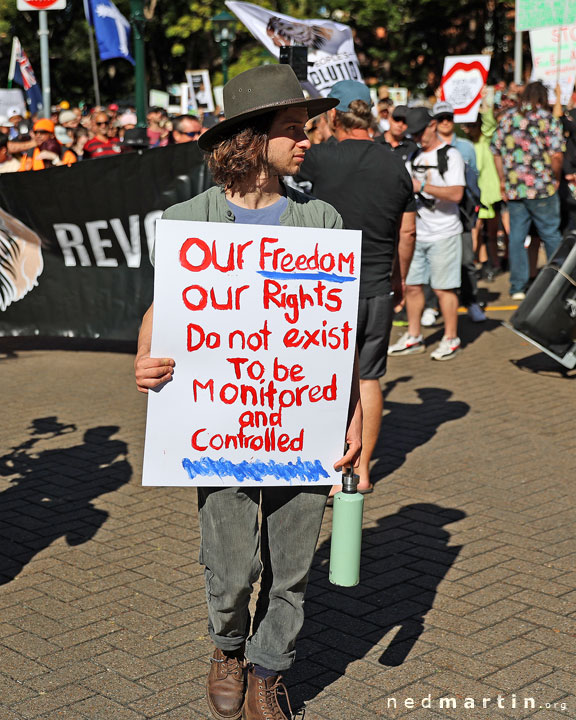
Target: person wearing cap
68,119
444,114
47,151
64,131
261,140
438,252
394,139
127,121
15,117
371,189
384,108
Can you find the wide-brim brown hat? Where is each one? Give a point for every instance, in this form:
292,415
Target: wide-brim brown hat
257,92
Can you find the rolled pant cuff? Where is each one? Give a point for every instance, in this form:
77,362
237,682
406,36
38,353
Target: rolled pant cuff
279,663
227,644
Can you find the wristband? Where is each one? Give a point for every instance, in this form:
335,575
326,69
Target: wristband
422,187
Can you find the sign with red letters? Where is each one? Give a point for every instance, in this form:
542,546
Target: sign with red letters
261,322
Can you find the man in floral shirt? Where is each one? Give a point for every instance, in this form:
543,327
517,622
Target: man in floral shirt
528,147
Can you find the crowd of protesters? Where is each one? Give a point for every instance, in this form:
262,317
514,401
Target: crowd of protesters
517,173
71,135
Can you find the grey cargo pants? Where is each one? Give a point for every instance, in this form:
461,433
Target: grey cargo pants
236,553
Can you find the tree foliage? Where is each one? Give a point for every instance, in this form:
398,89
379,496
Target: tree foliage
397,42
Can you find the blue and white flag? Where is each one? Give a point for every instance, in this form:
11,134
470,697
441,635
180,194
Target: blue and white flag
111,28
22,74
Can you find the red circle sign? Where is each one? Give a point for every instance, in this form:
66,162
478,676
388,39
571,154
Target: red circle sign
41,4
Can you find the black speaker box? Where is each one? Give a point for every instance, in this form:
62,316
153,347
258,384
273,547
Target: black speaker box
547,317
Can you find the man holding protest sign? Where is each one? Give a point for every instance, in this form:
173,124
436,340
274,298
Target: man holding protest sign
261,140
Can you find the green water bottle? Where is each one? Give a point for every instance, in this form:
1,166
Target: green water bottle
346,542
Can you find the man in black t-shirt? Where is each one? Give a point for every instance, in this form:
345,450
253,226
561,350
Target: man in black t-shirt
372,190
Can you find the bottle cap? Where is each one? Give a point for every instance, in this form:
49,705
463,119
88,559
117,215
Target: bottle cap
349,481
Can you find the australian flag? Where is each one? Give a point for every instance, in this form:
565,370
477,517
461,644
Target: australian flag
111,28
22,74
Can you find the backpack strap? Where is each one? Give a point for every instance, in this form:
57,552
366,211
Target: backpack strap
442,156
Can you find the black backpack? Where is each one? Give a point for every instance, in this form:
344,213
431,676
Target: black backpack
470,204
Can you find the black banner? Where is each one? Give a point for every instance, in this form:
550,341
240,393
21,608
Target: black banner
78,262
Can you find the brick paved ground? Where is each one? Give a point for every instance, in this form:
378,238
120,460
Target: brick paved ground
469,561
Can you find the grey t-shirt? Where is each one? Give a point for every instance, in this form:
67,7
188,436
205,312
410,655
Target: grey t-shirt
262,216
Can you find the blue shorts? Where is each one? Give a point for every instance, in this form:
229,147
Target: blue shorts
437,263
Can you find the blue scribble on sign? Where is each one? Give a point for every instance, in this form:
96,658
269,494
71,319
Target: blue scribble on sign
329,277
303,470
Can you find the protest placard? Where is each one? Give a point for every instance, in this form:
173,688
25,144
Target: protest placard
463,78
261,322
554,59
532,14
331,53
398,95
200,90
159,98
12,98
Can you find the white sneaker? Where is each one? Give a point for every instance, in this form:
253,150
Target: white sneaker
448,348
407,345
475,313
429,317
518,296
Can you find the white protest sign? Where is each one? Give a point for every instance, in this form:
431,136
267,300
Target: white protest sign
12,98
330,44
554,59
463,78
261,321
200,90
398,95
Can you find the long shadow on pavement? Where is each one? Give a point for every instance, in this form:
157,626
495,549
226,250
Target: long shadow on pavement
404,559
51,491
406,426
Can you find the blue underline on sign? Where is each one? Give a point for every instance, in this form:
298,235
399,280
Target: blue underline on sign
302,470
329,277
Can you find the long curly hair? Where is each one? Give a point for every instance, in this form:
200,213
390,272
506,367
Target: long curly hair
242,155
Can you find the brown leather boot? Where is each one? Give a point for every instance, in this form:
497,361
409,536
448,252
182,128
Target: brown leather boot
261,702
225,685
